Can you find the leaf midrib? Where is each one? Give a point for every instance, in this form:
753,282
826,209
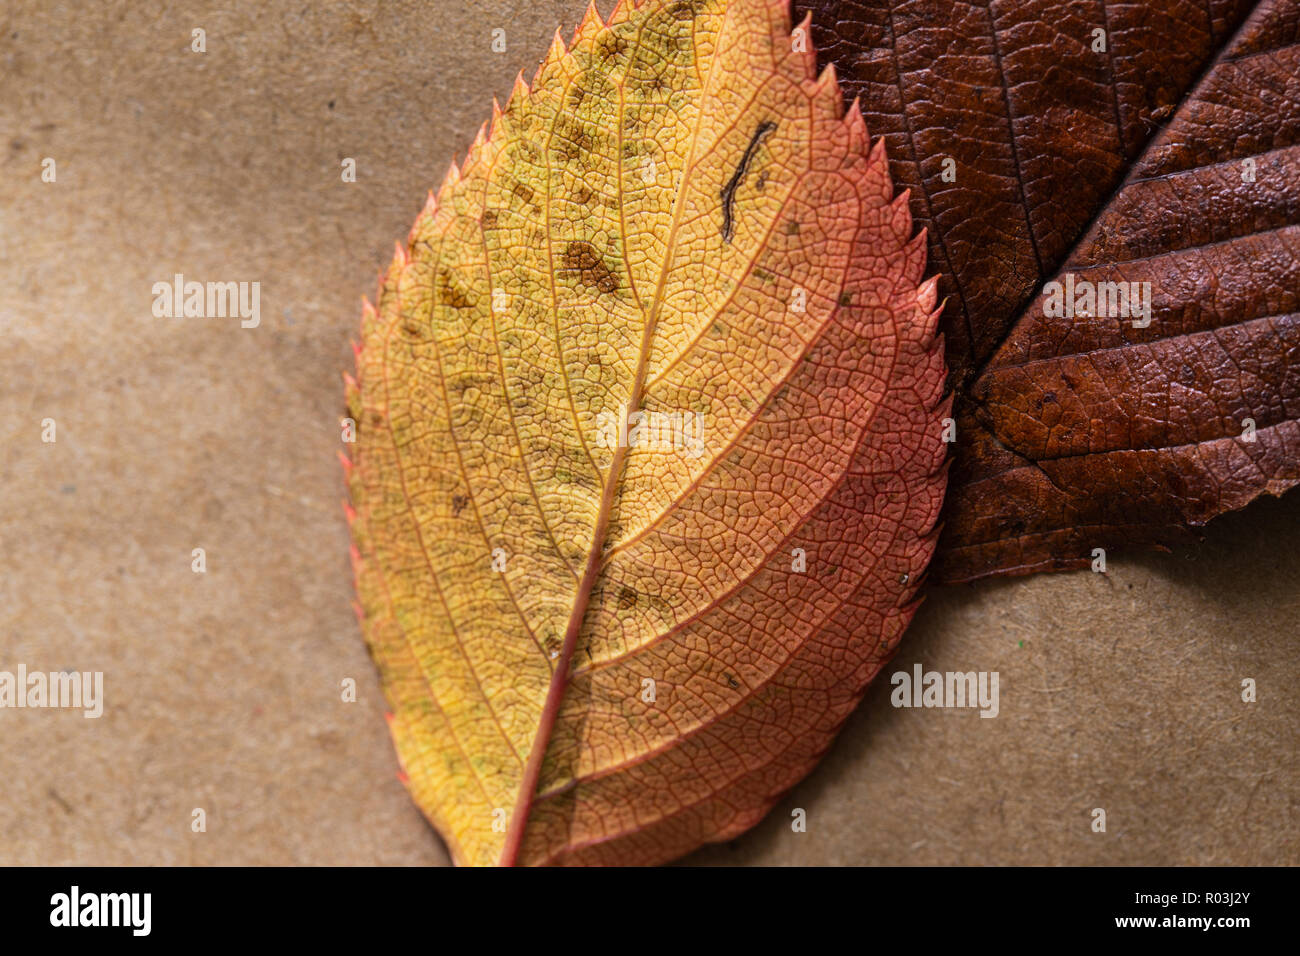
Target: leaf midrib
559,676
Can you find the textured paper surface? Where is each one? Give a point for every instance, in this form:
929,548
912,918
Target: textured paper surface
222,690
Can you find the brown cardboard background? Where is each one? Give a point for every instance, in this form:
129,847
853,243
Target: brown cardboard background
222,689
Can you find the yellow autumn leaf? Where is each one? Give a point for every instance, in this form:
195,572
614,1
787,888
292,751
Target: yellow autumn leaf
648,452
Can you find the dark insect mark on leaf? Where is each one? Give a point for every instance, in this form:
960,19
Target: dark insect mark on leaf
765,128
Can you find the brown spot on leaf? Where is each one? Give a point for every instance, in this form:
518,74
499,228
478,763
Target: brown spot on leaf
611,46
581,257
450,293
684,9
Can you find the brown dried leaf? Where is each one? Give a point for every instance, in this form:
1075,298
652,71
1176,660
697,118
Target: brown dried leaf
1085,432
